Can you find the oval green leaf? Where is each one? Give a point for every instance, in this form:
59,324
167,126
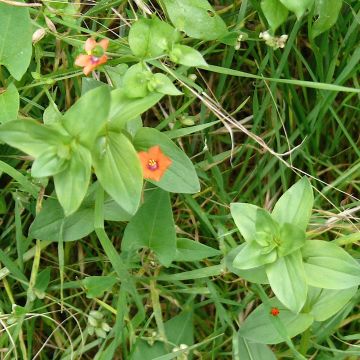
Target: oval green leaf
153,227
288,282
328,266
258,326
118,169
295,205
15,39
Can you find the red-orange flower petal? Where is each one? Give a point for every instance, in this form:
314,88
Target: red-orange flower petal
83,60
104,43
154,163
89,45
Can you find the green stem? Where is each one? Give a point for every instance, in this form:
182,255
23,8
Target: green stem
304,343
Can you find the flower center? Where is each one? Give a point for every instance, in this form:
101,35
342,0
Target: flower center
152,165
94,59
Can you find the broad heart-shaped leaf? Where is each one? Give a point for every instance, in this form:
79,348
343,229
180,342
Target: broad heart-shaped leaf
328,12
9,102
275,12
72,184
96,285
297,6
88,115
295,205
244,216
247,350
252,256
258,326
328,266
153,227
186,55
287,280
118,169
15,39
124,109
324,303
30,136
196,18
180,329
181,176
150,38
255,275
190,250
48,222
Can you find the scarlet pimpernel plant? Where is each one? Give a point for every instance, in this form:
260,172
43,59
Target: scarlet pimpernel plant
168,189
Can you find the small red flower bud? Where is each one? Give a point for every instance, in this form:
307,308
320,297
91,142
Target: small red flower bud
275,311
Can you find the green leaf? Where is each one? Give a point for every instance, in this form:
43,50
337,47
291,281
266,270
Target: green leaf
324,303
52,115
244,216
327,12
297,6
136,81
180,329
288,282
118,169
145,351
96,285
116,74
48,221
275,12
186,55
71,184
88,84
252,256
15,39
292,238
181,176
196,18
247,350
30,136
42,283
190,250
255,275
153,227
150,38
295,205
88,115
258,326
162,84
48,163
9,102
328,266
266,228
124,109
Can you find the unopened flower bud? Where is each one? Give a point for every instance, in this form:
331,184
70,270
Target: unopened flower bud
50,24
38,35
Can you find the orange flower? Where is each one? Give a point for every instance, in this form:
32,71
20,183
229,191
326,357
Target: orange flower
154,163
275,311
95,55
